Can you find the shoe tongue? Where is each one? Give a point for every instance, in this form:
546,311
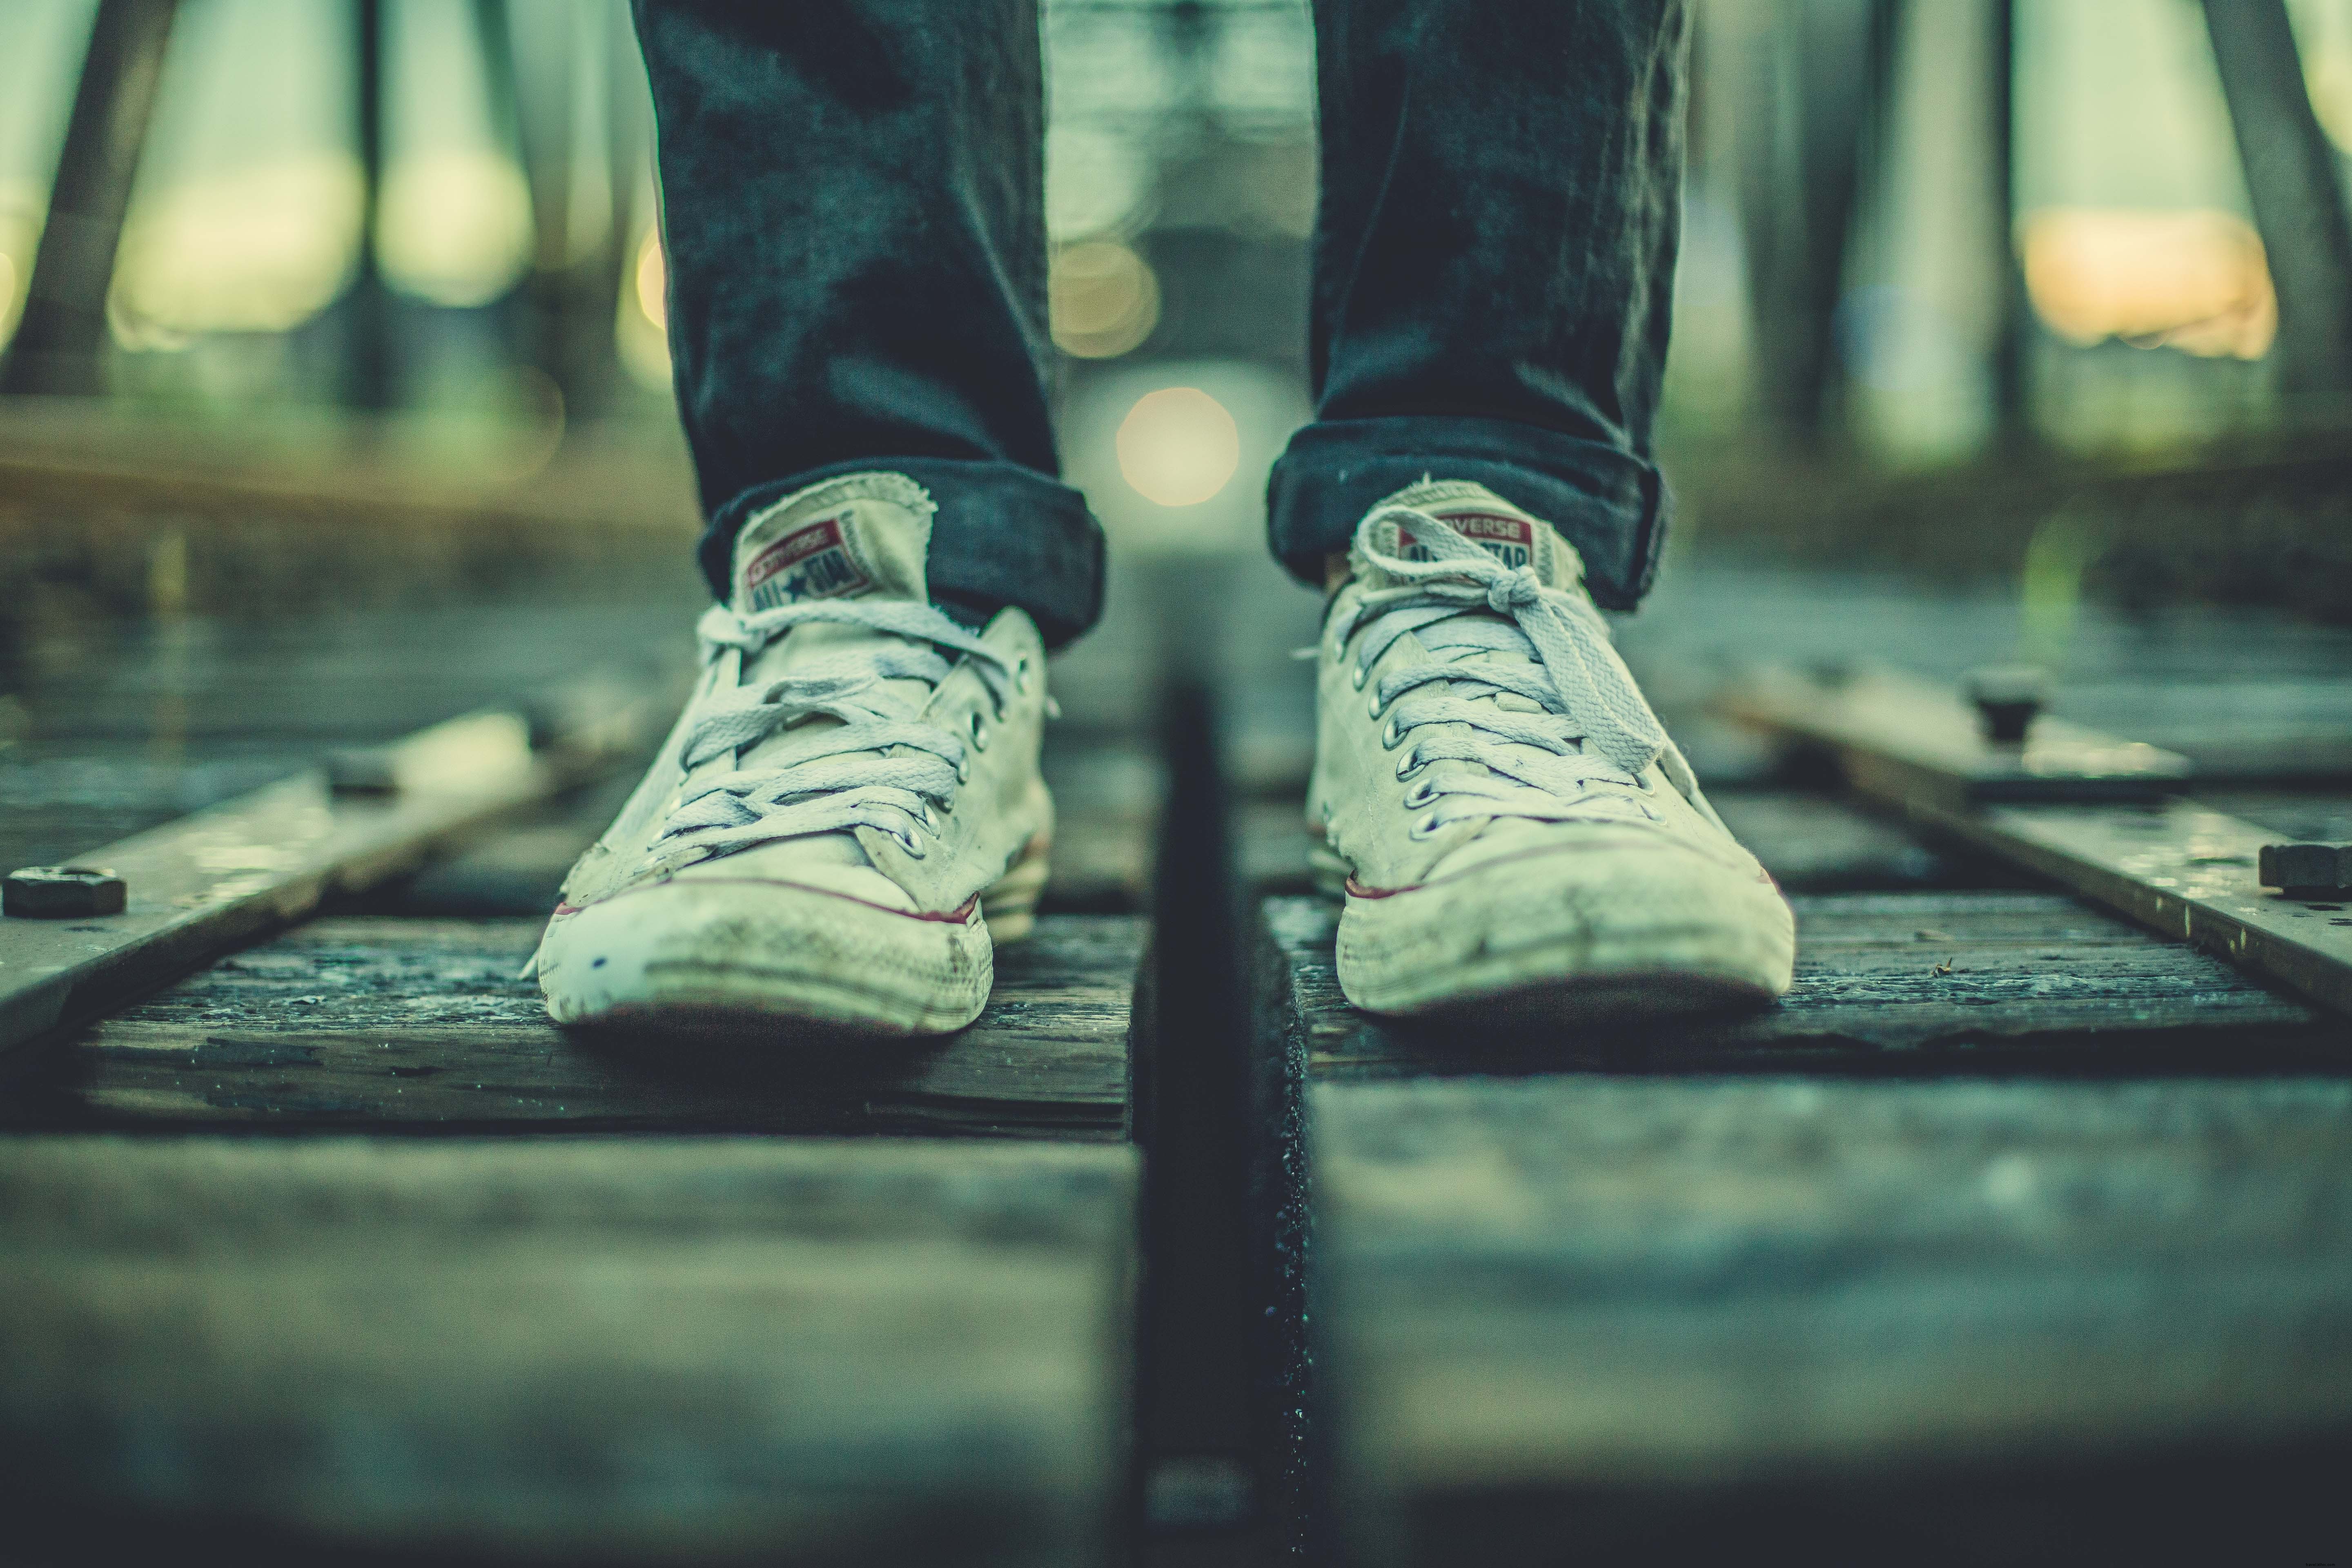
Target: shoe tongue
1484,518
863,536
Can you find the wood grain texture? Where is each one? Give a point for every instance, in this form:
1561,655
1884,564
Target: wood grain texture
2035,981
585,1350
1949,1322
385,1023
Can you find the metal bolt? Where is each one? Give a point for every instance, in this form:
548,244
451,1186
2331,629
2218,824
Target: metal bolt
361,770
2307,871
63,892
546,722
2008,697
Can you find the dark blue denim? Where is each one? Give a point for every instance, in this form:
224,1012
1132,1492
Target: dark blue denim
853,205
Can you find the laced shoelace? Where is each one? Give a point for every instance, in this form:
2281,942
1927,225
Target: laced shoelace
880,767
1589,728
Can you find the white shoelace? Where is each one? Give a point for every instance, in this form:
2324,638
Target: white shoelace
1590,727
881,767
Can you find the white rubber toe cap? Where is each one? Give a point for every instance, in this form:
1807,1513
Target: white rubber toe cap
1619,910
748,949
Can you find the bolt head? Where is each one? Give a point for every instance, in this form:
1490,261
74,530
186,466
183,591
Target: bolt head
2008,697
361,770
2307,871
63,892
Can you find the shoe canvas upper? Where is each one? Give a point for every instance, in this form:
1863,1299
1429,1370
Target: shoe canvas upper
862,538
1399,821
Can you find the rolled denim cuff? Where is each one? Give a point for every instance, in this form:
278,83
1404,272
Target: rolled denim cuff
1003,534
1610,504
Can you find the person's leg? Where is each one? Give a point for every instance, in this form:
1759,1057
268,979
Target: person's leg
1514,833
851,814
852,210
1494,262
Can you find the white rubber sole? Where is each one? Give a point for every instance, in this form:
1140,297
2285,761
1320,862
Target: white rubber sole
780,959
1570,944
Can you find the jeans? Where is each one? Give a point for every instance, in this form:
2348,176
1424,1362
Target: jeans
853,206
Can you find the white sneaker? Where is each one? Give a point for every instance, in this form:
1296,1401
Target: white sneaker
1516,835
849,811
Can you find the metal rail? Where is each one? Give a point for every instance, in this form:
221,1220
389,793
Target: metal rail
2052,807
2178,869
1903,739
210,882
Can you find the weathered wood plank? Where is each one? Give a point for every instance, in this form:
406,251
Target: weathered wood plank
1950,1321
588,1350
1891,982
370,1021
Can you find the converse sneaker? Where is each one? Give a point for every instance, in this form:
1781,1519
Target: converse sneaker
1514,832
849,811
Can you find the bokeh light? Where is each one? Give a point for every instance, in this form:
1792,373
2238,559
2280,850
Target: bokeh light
2195,280
2322,34
1095,182
1105,299
455,226
1178,446
652,275
258,249
21,205
640,327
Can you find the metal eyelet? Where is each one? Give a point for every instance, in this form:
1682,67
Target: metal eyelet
963,768
1372,704
1356,676
1021,675
978,731
1409,764
1389,736
911,845
1419,795
1425,827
